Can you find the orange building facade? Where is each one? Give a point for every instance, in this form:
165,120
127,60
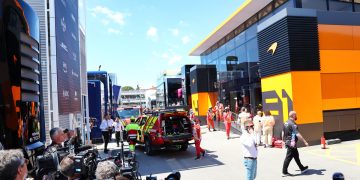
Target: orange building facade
309,61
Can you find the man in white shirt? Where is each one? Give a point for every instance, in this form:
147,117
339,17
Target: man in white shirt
250,151
106,128
119,128
111,125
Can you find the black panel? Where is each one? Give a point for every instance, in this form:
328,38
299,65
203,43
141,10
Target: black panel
212,79
185,75
297,46
304,43
193,82
279,62
203,78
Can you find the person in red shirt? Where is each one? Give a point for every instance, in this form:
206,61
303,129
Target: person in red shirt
227,121
197,139
210,119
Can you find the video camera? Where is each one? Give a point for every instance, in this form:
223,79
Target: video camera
125,160
49,163
85,162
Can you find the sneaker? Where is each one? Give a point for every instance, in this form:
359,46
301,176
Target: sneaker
286,174
306,168
203,153
197,157
214,130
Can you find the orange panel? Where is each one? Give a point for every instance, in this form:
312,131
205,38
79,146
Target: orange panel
340,103
205,100
212,99
357,86
337,37
306,90
340,85
356,32
333,61
203,104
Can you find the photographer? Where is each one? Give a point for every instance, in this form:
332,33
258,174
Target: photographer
57,138
13,165
69,134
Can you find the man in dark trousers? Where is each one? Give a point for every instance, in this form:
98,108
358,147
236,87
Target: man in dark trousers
291,136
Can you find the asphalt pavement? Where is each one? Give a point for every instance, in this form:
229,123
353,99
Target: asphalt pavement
224,160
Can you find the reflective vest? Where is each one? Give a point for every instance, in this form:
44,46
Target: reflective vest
132,130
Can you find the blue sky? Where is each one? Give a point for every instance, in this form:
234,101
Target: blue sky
139,39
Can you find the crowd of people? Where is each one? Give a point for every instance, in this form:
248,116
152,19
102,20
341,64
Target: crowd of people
255,131
13,164
264,122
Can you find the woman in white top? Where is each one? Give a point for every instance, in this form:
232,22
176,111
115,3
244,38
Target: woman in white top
243,117
119,128
268,126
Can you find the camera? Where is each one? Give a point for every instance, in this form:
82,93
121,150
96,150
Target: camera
49,164
85,163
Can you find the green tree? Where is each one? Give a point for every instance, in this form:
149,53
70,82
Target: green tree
127,88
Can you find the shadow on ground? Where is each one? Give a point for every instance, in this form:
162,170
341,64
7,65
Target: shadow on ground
319,172
171,160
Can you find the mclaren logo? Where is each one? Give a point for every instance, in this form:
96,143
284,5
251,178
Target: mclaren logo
272,48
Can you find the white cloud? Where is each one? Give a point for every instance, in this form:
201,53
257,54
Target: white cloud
165,55
175,32
171,57
174,58
152,33
113,31
105,22
185,39
113,16
183,23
